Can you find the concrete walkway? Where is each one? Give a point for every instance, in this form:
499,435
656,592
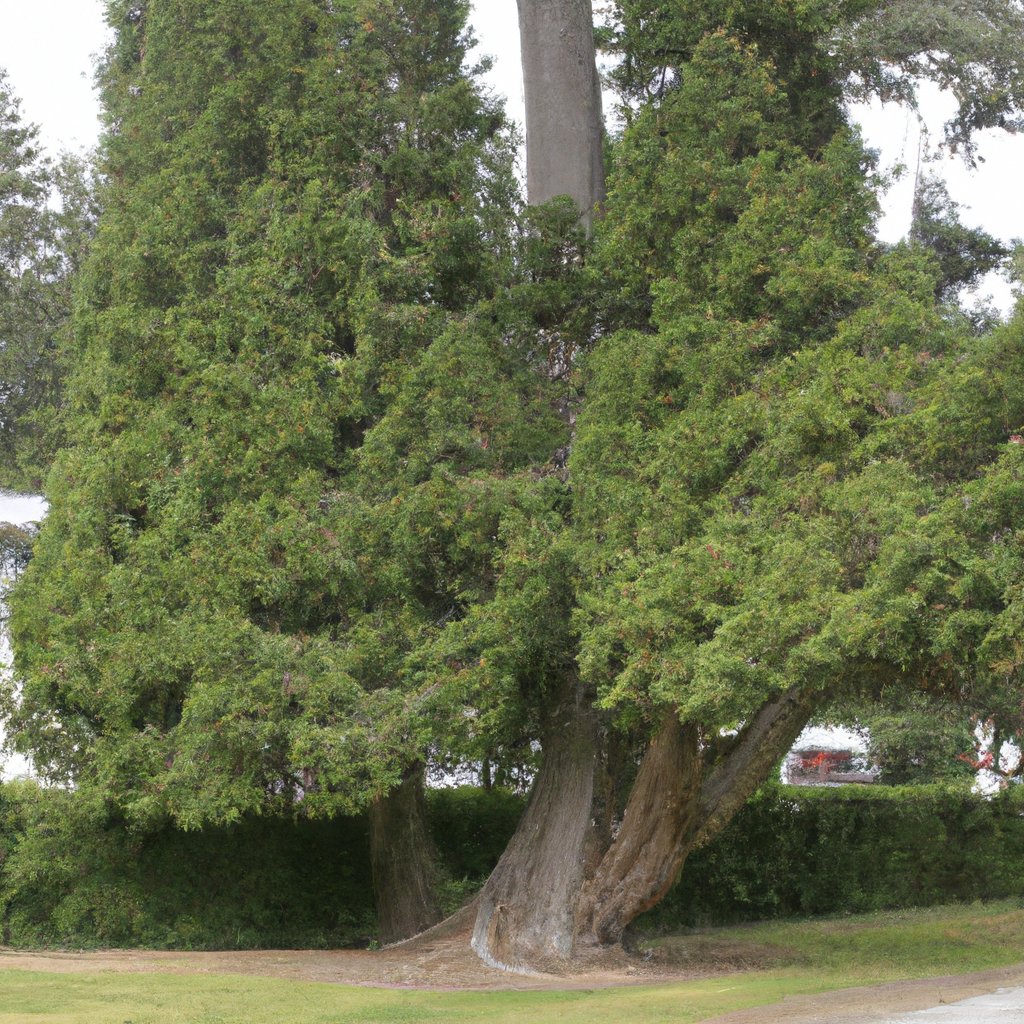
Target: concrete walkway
1003,1007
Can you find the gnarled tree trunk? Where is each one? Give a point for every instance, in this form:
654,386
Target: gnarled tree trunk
550,899
525,912
563,104
403,860
646,856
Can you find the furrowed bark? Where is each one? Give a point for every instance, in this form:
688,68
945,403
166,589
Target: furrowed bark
760,745
560,890
647,855
403,860
563,104
526,908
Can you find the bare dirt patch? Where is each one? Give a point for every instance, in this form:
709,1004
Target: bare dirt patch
440,960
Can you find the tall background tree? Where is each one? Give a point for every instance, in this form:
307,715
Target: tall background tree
562,90
302,405
46,217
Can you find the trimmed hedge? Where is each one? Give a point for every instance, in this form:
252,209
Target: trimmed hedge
796,851
77,876
71,874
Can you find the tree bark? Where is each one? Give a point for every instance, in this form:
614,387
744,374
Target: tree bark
559,890
525,917
645,859
526,908
760,745
564,127
403,860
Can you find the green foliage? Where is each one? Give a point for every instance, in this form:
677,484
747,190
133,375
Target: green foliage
15,552
15,549
72,872
306,406
798,851
75,874
728,489
971,49
858,49
965,254
46,216
917,738
783,426
471,827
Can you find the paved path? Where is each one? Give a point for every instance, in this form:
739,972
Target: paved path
1003,1007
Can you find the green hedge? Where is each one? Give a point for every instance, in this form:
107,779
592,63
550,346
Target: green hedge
71,874
797,851
75,876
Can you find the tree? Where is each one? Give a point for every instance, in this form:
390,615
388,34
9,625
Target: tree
859,48
302,407
720,465
971,50
913,738
366,468
965,254
15,554
46,217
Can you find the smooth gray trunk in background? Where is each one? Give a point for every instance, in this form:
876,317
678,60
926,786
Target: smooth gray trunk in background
563,104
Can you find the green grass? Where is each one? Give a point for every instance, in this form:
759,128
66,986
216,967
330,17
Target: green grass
780,960
864,949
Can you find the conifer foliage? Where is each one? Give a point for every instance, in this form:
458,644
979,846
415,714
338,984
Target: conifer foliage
300,408
367,466
46,217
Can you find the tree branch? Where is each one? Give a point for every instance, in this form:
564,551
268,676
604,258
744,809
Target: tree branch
762,742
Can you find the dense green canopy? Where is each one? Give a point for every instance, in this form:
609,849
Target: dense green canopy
366,465
303,399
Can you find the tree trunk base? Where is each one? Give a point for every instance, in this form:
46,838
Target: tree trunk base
404,862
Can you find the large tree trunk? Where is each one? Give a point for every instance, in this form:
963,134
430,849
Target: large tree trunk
526,908
557,891
563,104
403,860
645,859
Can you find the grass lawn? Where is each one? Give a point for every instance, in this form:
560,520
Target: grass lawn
769,961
